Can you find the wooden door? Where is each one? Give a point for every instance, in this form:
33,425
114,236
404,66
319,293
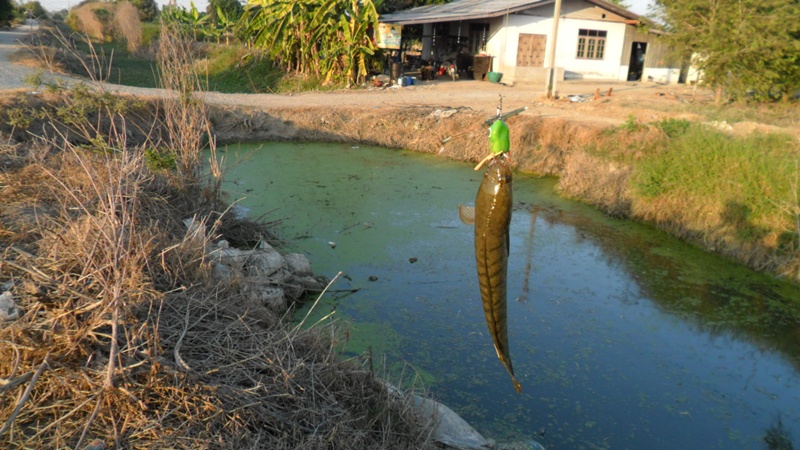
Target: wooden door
530,50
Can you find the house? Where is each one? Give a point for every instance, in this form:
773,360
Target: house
595,39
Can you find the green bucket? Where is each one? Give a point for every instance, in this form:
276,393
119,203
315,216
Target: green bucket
494,77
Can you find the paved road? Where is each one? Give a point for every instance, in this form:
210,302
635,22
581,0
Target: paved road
12,76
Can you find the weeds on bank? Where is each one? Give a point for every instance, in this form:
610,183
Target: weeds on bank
225,68
737,189
734,195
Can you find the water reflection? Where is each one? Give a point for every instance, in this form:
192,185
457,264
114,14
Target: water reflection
621,335
714,296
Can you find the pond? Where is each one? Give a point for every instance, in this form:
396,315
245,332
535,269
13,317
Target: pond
621,336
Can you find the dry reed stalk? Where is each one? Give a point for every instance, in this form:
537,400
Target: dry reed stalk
185,118
55,50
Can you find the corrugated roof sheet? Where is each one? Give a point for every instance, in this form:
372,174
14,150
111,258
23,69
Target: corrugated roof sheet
460,10
477,9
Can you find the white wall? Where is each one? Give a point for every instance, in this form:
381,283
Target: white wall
661,75
567,46
503,40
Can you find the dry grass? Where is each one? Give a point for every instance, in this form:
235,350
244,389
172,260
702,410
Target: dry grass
122,341
87,21
128,25
185,117
597,181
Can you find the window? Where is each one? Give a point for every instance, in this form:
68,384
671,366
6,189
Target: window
591,44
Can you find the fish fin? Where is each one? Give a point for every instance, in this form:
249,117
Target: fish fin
466,214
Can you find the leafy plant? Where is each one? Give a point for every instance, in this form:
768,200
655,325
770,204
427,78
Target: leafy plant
322,38
631,124
673,127
191,19
159,159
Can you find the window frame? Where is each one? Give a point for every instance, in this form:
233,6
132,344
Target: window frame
591,44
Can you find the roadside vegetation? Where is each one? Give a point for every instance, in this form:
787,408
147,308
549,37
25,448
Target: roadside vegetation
119,335
260,48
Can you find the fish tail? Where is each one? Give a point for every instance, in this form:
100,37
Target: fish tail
509,369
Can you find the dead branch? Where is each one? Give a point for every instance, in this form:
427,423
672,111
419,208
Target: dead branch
25,396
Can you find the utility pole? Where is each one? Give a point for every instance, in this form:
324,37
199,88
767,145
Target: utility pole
550,87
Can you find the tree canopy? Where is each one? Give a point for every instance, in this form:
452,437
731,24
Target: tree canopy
744,48
34,9
620,3
231,10
148,9
6,12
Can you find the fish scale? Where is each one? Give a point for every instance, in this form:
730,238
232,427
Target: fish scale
492,219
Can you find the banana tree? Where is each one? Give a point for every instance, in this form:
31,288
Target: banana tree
192,18
197,20
224,26
355,24
326,38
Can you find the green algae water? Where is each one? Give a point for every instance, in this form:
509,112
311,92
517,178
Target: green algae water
622,337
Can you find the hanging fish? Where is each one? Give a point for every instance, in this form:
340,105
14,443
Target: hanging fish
492,217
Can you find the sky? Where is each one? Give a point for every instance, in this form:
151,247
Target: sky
638,6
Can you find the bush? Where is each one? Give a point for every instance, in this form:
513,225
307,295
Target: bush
673,127
128,25
102,21
149,32
742,182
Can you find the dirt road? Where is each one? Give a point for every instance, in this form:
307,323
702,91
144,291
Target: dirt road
647,102
575,103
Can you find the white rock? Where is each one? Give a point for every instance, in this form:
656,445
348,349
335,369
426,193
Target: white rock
309,283
451,430
266,262
221,272
8,309
263,245
443,114
269,295
721,126
298,264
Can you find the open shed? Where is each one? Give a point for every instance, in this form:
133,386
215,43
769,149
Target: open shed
595,39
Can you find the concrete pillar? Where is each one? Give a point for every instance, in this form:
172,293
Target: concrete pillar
427,40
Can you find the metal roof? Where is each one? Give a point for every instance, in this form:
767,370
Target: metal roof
479,9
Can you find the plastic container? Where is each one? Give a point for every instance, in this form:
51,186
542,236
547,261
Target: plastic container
494,77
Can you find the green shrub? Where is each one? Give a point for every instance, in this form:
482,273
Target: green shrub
631,125
232,68
149,32
673,127
159,159
745,177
